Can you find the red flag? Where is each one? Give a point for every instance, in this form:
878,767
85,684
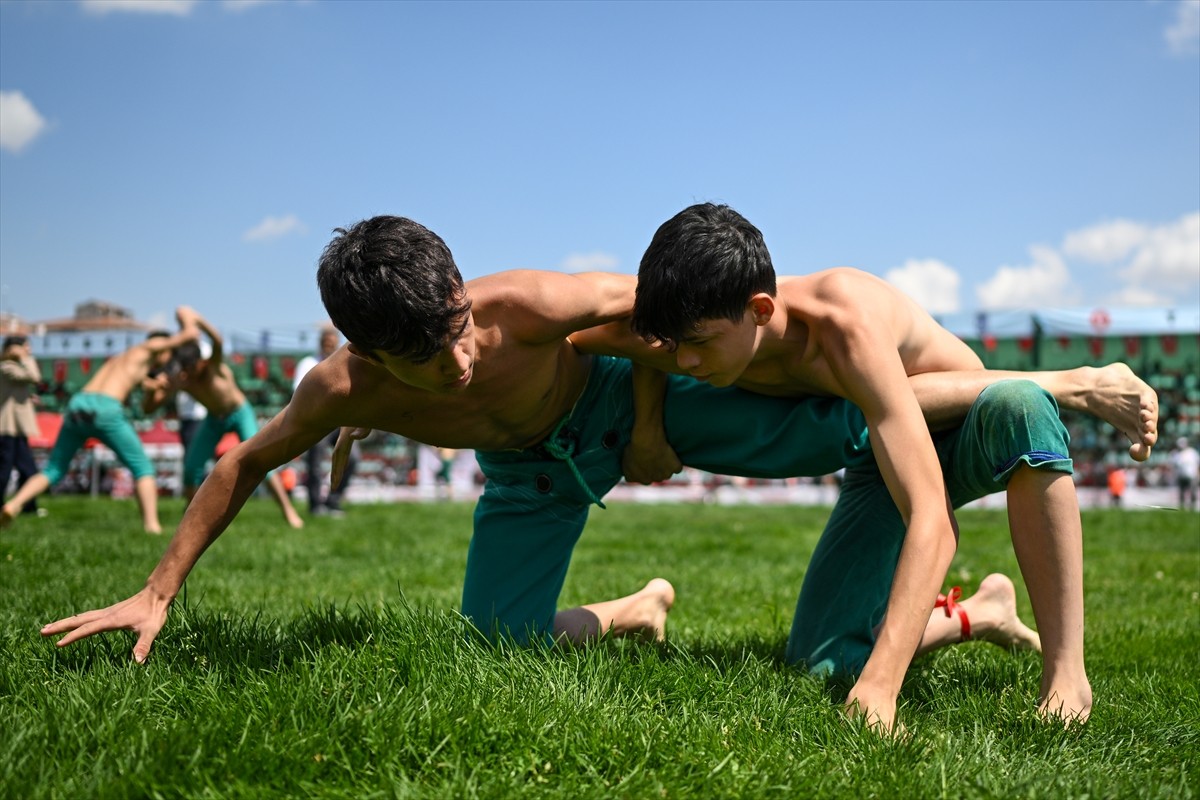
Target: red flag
1170,343
1132,345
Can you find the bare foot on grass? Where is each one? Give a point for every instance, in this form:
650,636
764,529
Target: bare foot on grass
649,608
993,614
642,615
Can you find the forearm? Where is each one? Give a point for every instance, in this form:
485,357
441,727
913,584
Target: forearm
649,457
219,499
924,560
649,396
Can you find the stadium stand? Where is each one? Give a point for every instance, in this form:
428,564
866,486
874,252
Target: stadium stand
1161,345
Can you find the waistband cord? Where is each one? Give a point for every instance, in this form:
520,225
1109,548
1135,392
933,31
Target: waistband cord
562,447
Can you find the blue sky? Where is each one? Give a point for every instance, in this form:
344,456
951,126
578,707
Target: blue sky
980,155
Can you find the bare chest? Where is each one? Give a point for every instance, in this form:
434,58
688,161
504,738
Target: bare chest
506,406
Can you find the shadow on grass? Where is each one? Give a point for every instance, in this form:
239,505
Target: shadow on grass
195,638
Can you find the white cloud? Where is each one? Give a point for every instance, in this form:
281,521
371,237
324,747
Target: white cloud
1169,258
177,8
590,262
1183,34
273,228
1106,242
1137,296
20,122
932,283
1045,282
1156,262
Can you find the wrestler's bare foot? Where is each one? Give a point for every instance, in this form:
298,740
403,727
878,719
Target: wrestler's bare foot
648,610
294,520
1123,400
7,515
642,615
153,530
993,614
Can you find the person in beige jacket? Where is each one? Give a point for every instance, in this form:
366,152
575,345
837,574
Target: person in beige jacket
19,377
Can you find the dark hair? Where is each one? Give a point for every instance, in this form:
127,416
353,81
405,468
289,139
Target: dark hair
390,284
185,356
15,339
706,262
159,333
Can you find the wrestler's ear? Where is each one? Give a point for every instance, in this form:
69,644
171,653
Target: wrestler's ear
761,308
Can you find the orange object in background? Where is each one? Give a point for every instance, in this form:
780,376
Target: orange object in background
1116,485
287,476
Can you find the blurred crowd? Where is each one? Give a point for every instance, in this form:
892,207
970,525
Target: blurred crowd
387,467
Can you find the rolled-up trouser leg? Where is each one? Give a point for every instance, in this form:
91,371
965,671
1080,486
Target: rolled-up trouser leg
849,578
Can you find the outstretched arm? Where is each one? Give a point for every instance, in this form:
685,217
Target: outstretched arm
188,332
188,316
215,505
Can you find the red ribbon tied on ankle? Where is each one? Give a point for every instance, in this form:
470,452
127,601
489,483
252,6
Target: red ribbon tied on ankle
949,601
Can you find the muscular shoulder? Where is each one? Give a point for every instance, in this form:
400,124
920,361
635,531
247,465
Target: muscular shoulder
839,298
522,289
849,287
515,301
331,379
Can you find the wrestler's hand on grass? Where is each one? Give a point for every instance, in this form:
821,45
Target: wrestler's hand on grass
341,452
649,460
145,614
876,710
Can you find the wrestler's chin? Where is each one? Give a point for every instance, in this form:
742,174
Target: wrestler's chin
460,383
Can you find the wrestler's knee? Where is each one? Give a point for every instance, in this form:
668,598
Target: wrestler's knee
840,656
1014,400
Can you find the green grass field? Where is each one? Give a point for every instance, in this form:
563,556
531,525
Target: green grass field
330,663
